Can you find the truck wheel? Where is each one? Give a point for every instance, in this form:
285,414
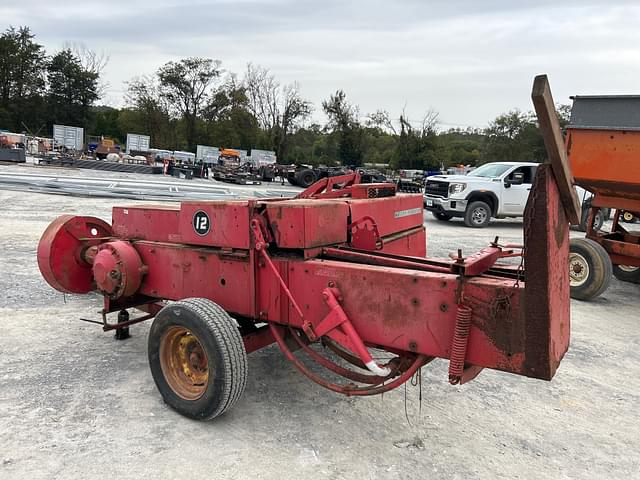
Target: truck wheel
589,268
627,273
306,177
292,180
628,217
597,222
443,217
197,358
477,215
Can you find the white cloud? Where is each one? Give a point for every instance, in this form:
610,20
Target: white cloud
468,60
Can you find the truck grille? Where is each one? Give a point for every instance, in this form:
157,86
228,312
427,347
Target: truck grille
437,189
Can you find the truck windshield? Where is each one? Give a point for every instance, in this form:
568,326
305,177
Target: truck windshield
490,170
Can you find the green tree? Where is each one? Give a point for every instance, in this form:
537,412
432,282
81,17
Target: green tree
22,79
226,119
186,86
72,90
418,148
106,122
514,136
461,147
147,113
343,120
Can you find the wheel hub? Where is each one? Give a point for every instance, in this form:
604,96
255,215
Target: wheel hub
479,215
578,270
184,363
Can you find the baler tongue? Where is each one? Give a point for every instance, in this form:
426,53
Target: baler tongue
342,264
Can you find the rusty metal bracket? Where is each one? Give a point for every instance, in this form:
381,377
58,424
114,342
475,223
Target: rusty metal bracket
478,263
324,188
106,326
365,238
261,246
337,326
552,135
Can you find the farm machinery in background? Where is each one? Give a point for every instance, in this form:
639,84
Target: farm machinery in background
229,168
306,175
603,144
12,147
337,276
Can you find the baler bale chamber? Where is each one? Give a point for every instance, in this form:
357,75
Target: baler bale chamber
329,275
603,144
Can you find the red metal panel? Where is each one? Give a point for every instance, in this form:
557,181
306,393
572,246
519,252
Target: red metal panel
616,247
148,222
308,223
547,315
606,161
177,272
228,223
617,200
391,214
415,311
412,243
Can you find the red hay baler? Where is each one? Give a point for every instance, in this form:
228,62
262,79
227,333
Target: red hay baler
341,266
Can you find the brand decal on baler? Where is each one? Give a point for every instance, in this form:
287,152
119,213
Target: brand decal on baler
406,213
201,223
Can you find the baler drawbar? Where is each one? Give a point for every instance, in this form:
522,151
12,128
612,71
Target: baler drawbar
342,266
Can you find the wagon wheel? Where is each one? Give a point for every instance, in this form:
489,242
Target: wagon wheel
197,358
589,268
627,273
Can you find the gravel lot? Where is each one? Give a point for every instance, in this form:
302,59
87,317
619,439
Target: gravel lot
74,403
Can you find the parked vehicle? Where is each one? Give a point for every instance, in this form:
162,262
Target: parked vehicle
494,190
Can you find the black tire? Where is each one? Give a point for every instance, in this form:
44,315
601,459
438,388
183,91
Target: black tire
590,268
443,217
292,180
598,222
217,334
627,273
477,215
306,177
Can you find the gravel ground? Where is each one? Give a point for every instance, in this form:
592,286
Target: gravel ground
74,403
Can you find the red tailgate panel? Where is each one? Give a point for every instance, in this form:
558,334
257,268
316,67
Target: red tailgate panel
392,214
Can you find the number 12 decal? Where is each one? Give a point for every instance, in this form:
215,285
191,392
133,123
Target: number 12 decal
201,223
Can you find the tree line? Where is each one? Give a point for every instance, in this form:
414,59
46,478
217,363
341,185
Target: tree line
194,101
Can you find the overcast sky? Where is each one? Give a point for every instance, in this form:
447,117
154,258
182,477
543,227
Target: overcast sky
469,60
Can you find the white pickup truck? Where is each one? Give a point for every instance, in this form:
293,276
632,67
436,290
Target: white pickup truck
494,190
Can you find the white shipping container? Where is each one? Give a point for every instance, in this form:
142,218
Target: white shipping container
262,157
207,154
71,138
138,142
